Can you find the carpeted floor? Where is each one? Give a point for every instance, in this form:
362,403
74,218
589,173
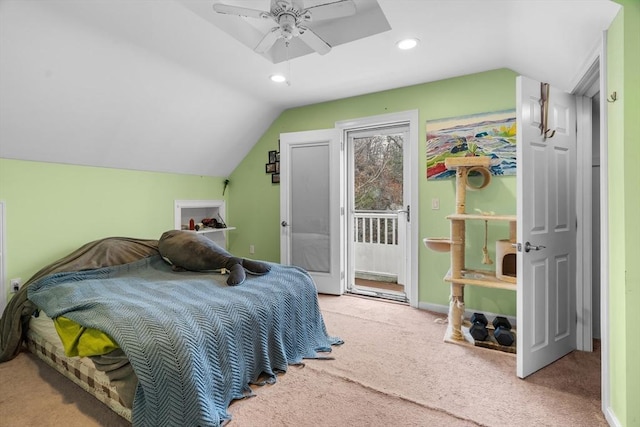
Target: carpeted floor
394,370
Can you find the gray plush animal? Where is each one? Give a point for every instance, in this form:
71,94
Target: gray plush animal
190,251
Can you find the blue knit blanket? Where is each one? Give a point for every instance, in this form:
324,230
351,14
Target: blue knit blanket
195,343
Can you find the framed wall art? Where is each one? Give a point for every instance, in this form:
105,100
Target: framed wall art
273,165
273,156
486,134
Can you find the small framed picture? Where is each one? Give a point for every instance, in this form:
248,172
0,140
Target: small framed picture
278,156
277,167
275,178
273,156
271,168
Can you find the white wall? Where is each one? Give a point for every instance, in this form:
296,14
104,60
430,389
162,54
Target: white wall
83,83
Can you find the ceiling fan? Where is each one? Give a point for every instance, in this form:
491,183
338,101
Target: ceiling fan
291,17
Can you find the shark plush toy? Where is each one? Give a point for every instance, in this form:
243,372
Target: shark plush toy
190,251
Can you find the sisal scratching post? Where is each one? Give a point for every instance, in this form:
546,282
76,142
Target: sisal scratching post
456,304
458,228
456,311
461,189
513,231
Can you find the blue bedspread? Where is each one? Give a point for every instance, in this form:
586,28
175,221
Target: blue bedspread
194,342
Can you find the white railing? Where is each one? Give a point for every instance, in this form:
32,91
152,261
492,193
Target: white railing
375,235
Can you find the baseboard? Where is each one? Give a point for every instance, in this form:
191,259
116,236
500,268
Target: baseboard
610,416
444,309
436,308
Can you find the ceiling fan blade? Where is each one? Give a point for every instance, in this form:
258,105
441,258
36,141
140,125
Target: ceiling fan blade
240,11
268,40
338,9
314,41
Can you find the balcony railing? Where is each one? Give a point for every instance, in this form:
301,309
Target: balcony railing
375,235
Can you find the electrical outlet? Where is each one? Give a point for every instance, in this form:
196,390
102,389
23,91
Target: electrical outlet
252,249
15,284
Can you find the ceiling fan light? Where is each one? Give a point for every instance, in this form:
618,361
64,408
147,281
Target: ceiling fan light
407,44
278,78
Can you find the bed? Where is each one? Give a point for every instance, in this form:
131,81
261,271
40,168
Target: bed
186,343
42,340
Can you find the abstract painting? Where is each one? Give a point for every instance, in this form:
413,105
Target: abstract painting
487,134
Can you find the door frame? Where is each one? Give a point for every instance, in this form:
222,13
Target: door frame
412,243
594,70
586,89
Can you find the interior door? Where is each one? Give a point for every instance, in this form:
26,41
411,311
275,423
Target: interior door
546,229
310,206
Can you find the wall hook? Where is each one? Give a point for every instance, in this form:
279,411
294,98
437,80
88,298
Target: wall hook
613,97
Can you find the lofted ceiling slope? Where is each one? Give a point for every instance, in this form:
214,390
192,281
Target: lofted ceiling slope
167,86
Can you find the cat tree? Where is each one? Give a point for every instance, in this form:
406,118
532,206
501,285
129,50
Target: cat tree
458,275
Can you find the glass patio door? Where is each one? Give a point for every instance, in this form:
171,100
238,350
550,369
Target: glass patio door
378,213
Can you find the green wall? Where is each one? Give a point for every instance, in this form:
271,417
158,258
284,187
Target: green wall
623,66
254,201
52,209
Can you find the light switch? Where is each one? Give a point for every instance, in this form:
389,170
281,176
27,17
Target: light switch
435,203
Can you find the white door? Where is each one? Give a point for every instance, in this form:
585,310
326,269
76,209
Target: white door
546,229
310,206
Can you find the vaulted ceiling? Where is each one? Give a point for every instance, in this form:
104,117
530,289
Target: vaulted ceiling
172,86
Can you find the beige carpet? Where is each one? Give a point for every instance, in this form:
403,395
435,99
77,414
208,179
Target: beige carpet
394,370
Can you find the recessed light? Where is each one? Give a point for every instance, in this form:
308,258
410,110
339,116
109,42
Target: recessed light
278,78
407,44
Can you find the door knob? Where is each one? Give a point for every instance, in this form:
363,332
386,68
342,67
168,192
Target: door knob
529,247
284,224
